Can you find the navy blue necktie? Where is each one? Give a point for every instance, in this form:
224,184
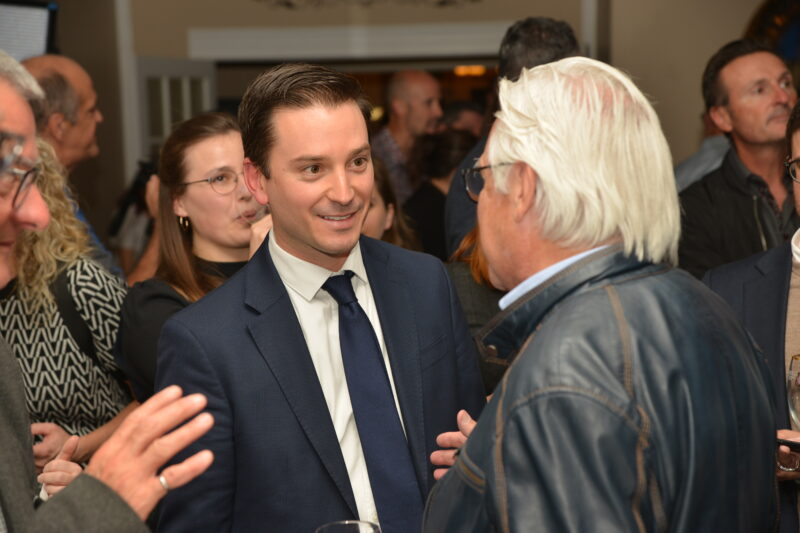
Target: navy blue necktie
391,472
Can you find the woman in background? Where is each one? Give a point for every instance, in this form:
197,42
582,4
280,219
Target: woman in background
385,221
205,217
60,316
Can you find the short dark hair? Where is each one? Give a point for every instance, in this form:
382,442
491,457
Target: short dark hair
535,41
713,92
61,97
291,86
792,127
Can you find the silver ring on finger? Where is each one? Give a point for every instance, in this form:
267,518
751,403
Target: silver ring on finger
163,481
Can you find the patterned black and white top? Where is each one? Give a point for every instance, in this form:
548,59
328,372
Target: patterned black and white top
62,384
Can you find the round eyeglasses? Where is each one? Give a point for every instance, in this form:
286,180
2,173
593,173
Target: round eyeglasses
223,182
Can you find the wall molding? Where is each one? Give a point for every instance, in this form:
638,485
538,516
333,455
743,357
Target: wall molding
347,42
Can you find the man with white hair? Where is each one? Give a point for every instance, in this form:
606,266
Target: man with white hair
636,402
124,480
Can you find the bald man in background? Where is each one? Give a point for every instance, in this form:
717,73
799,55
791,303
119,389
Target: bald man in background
414,102
69,124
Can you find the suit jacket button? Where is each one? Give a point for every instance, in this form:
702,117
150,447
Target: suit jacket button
491,350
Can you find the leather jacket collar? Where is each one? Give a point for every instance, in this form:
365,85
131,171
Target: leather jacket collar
503,337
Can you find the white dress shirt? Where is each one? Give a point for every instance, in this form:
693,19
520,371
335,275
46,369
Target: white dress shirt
318,314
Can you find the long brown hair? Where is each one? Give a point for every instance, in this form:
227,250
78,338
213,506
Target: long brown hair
177,264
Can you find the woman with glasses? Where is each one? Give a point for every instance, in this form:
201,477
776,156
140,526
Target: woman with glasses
60,315
205,226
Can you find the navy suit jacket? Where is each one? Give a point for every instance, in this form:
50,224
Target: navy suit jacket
278,464
757,288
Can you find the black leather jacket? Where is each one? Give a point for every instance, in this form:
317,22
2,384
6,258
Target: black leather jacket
724,219
636,403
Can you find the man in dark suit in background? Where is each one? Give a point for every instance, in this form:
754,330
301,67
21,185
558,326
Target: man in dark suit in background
527,43
764,291
331,362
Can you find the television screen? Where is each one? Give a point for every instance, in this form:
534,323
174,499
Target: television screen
27,28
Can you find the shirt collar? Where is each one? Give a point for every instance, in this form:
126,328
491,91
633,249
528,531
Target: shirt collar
748,177
306,278
738,167
543,275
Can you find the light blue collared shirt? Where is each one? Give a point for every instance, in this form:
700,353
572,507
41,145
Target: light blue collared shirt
543,275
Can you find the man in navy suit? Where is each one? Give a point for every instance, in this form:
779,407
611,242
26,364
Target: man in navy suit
764,292
290,445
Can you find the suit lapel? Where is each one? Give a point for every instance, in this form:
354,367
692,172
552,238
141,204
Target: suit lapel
279,338
398,325
765,301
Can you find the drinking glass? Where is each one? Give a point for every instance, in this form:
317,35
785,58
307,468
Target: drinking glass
349,526
793,391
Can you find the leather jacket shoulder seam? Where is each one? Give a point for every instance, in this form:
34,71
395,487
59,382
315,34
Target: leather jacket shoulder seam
624,337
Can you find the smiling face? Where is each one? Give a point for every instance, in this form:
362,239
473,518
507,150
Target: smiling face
219,230
320,181
760,97
32,214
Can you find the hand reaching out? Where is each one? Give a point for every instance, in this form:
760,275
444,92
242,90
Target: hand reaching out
452,441
130,460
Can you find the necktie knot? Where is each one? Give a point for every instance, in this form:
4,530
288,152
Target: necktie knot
341,288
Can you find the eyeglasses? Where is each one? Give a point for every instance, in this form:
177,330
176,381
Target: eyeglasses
14,179
794,169
23,180
222,183
474,180
10,149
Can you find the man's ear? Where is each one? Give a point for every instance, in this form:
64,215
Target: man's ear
398,107
522,182
721,118
56,126
255,181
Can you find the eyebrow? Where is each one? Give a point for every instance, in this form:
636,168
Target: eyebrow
316,158
219,169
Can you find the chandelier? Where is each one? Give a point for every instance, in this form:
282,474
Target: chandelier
307,4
